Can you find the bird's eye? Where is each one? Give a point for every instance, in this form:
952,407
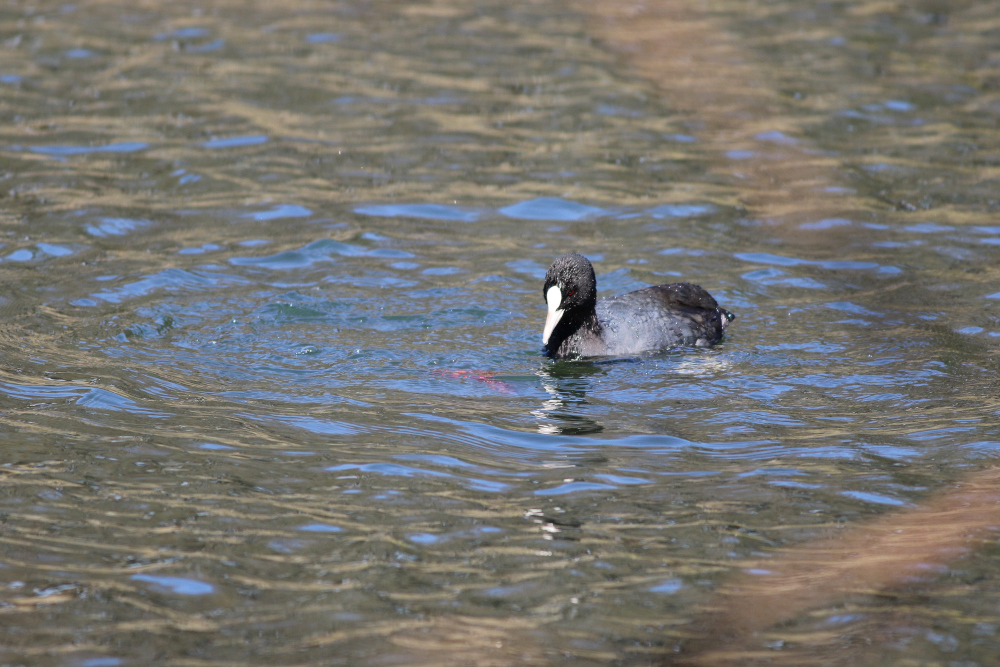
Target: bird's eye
571,292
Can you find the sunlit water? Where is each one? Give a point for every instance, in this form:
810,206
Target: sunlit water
271,382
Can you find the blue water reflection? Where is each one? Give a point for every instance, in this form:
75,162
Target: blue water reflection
115,226
236,142
429,211
170,280
119,147
178,585
320,528
280,211
323,37
679,210
323,250
551,208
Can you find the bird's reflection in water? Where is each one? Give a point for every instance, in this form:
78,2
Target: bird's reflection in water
567,383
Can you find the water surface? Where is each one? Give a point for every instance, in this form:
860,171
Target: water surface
271,383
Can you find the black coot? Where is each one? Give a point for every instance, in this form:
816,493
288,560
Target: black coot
646,320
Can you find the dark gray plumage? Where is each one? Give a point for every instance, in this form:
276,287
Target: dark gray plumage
646,320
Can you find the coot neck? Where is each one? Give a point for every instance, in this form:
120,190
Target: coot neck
582,323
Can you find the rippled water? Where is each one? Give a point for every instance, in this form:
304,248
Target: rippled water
271,382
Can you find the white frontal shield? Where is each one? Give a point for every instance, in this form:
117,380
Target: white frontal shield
554,299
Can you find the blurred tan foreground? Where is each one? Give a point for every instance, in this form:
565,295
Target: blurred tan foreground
895,550
705,74
713,82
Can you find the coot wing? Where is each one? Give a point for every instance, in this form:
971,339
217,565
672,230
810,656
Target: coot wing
676,296
660,317
686,295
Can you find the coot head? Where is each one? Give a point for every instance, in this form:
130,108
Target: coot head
570,292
